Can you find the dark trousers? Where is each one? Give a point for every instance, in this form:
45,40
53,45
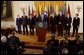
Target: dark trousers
68,30
60,30
75,29
19,29
13,51
53,30
31,30
25,27
48,27
53,51
3,49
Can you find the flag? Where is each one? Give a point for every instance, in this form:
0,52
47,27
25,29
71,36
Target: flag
38,12
48,12
62,10
45,12
65,9
57,11
34,13
59,3
45,8
69,10
29,10
51,9
32,10
40,9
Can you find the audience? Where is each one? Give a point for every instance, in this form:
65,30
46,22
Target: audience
52,45
10,44
65,51
66,46
14,43
79,45
4,45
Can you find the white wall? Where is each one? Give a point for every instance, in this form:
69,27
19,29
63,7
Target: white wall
73,8
17,5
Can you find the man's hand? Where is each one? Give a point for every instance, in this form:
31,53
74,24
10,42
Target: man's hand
67,24
77,26
20,47
59,22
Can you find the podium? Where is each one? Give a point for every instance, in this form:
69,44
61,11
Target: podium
41,31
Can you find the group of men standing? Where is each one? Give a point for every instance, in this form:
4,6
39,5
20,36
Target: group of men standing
25,21
56,23
60,23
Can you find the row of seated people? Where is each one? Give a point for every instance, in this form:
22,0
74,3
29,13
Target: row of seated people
64,47
10,43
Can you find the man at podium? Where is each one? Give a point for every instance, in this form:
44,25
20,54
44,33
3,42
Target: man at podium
41,28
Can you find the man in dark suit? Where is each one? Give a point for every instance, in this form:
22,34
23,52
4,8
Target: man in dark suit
76,23
28,21
3,46
79,46
38,17
45,18
18,23
64,44
68,21
60,24
56,21
14,43
32,24
52,23
52,45
72,46
24,23
64,23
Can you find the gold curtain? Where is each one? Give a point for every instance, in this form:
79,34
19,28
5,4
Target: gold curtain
42,5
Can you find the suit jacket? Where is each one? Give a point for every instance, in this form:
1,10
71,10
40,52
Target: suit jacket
63,44
14,41
32,22
76,22
68,21
72,46
52,23
52,43
45,18
60,21
28,21
56,20
24,20
38,18
18,21
63,20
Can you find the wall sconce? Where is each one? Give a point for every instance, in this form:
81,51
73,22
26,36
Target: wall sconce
23,9
78,8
